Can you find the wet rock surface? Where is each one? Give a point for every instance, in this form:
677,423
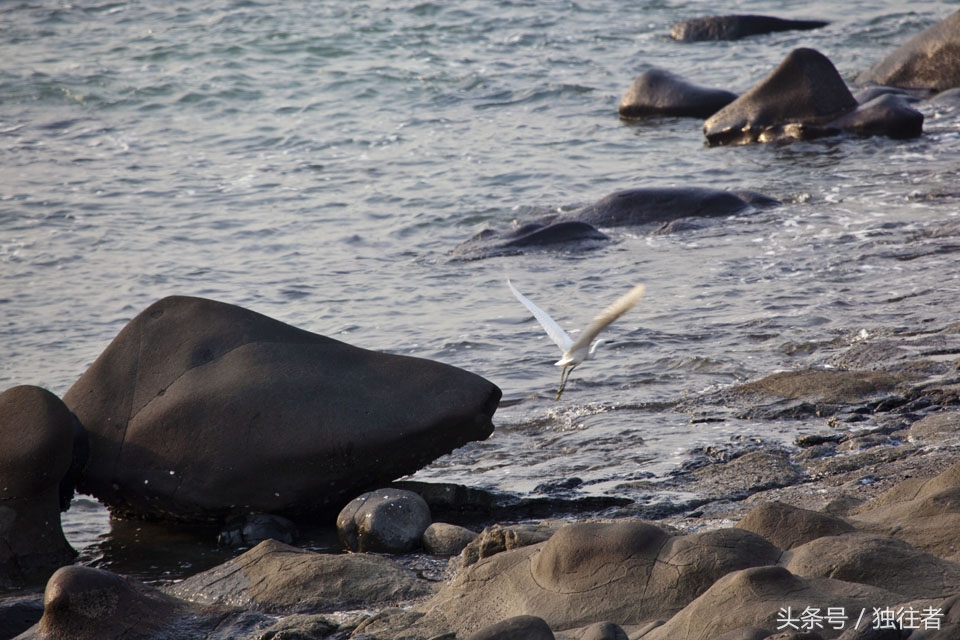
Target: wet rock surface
735,27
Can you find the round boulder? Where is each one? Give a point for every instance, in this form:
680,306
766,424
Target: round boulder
516,628
36,453
384,521
199,410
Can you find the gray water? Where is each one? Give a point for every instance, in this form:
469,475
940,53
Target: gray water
316,162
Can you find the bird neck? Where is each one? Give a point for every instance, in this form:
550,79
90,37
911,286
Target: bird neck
593,349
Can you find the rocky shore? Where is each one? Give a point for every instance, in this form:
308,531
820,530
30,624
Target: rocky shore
205,413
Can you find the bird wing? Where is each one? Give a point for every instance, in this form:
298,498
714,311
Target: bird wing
623,304
555,331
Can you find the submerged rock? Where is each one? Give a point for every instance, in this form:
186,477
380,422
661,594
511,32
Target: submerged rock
199,410
658,205
660,93
805,98
930,60
735,27
36,454
279,579
544,234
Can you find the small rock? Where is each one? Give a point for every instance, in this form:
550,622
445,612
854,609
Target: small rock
442,539
517,628
384,521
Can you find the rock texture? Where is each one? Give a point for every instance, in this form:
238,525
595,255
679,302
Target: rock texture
735,27
805,98
198,410
36,453
930,60
279,579
657,92
384,521
787,526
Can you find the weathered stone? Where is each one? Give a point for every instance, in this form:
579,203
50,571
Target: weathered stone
924,513
497,538
602,631
279,579
36,453
735,27
656,205
626,572
384,521
756,597
198,410
252,529
657,92
880,561
516,628
929,60
787,526
442,539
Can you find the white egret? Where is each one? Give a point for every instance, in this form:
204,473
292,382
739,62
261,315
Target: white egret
576,351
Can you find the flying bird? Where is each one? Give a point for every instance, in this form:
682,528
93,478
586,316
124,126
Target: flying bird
584,347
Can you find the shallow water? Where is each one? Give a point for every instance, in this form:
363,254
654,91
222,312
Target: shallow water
317,163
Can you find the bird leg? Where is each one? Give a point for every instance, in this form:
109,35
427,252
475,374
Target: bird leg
564,376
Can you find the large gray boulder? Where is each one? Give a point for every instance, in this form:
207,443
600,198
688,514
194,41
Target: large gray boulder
930,60
36,452
198,410
805,98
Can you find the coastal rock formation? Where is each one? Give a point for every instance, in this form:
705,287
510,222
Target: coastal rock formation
543,234
735,27
627,572
756,597
929,61
805,98
384,521
787,526
443,539
279,579
36,454
657,92
199,410
658,205
82,603
924,513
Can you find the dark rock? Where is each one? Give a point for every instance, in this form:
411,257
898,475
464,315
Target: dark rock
602,631
199,410
36,454
660,93
787,526
747,474
442,539
279,579
19,613
626,572
547,233
735,27
384,521
656,205
252,529
755,597
516,628
887,115
805,98
875,560
930,60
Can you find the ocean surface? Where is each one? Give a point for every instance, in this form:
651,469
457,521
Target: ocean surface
318,161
